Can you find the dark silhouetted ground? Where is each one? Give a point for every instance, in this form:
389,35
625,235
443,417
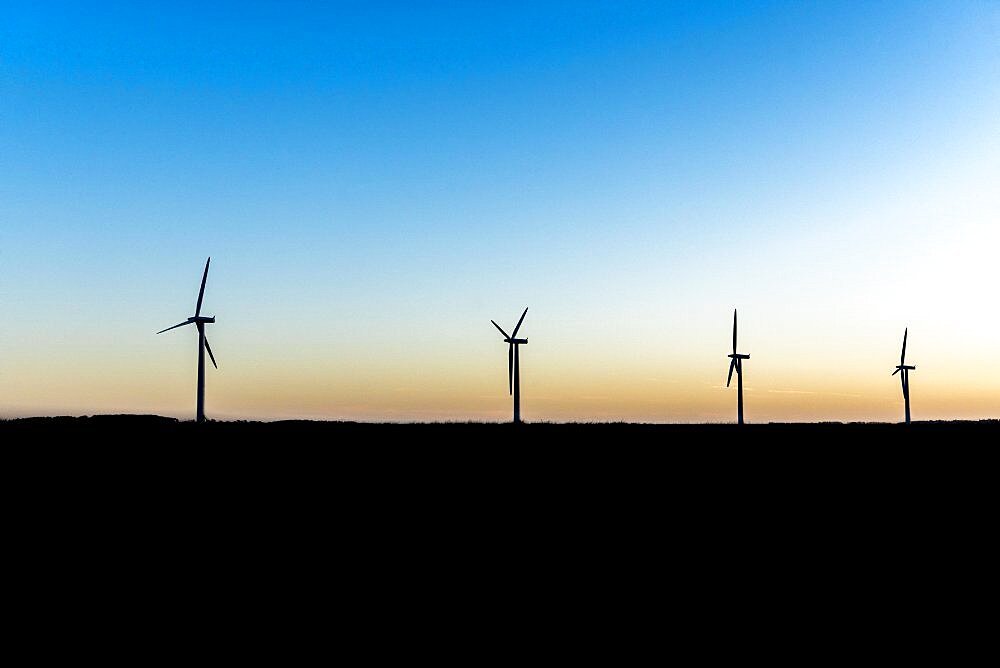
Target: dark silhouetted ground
618,457
138,430
766,538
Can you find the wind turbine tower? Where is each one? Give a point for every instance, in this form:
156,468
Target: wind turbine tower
514,364
736,364
904,378
200,321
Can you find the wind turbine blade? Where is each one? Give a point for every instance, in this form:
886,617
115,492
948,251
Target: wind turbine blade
500,328
902,382
519,323
201,293
734,331
180,324
732,365
896,371
208,349
902,355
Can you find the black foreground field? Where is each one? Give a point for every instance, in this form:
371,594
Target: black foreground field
536,477
625,527
613,455
519,468
141,430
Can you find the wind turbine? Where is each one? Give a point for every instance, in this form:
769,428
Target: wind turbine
737,364
904,378
200,321
514,364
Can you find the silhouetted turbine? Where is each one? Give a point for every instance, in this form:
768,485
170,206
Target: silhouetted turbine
736,364
514,364
904,378
200,321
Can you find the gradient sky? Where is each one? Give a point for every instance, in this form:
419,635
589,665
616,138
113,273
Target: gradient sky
375,181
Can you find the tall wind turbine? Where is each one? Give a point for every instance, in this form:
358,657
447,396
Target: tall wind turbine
736,364
200,321
904,378
514,364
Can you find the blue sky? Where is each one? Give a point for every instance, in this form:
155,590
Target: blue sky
377,180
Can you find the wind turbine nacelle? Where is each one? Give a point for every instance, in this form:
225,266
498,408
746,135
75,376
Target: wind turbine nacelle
906,366
739,356
515,340
201,318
